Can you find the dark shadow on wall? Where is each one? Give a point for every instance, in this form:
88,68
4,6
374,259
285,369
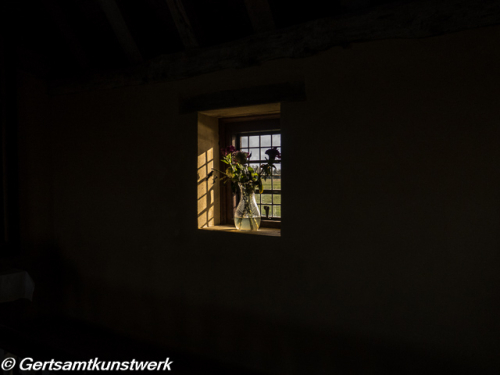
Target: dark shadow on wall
206,340
53,276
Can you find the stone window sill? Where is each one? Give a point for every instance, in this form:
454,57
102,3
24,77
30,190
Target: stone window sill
273,232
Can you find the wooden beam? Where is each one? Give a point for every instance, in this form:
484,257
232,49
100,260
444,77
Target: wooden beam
260,15
58,16
182,23
417,19
250,96
119,26
351,5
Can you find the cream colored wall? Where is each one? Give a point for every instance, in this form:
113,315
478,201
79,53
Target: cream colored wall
208,188
396,248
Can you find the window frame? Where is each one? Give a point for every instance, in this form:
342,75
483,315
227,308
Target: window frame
229,130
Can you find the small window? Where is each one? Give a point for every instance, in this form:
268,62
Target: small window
256,144
254,135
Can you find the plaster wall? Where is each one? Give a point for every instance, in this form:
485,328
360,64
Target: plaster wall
397,248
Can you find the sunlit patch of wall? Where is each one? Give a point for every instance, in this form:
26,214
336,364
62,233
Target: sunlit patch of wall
208,188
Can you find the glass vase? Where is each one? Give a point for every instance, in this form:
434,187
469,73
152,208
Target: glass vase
247,214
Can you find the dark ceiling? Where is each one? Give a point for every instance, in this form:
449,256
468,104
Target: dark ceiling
116,42
69,37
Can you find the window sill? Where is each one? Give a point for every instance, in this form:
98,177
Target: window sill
273,232
268,223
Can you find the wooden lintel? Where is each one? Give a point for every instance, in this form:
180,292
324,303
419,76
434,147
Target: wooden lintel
416,19
182,23
250,96
121,30
260,15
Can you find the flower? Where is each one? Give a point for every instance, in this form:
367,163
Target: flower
266,169
249,178
238,170
273,153
241,157
228,150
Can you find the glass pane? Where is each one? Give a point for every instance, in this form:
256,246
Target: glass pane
277,171
276,139
254,153
257,198
267,198
264,213
263,155
276,182
254,141
244,141
267,183
265,141
244,149
277,211
277,198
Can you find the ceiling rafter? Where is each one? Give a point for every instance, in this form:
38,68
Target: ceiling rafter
409,20
121,30
260,15
182,23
